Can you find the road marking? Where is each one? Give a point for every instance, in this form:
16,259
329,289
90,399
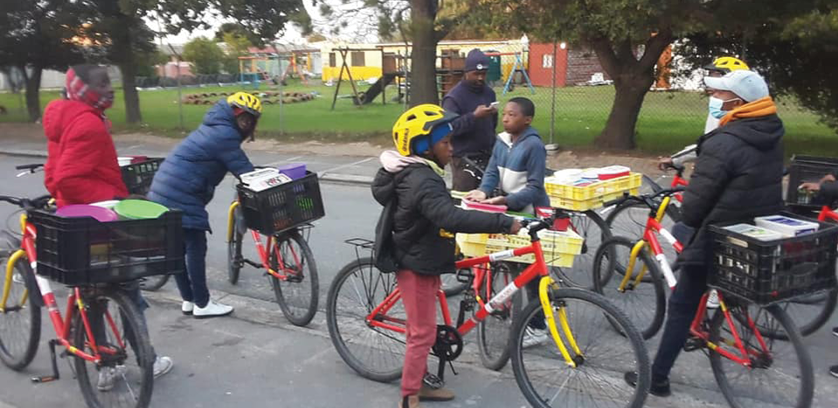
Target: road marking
321,173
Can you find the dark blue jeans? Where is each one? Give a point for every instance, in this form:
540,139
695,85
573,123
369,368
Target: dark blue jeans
683,304
193,284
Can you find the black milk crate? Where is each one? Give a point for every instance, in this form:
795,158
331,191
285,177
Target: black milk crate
84,251
282,207
765,272
138,176
808,169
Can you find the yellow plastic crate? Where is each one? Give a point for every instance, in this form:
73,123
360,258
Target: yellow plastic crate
559,247
584,205
595,190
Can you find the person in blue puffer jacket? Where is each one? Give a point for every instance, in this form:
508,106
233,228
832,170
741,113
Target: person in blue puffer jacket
187,179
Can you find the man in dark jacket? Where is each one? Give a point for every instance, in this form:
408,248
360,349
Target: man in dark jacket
424,218
187,179
738,176
474,129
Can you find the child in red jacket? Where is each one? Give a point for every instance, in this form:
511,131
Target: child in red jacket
81,164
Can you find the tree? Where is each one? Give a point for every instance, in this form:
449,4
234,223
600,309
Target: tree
147,63
795,45
204,55
237,46
419,21
628,37
40,35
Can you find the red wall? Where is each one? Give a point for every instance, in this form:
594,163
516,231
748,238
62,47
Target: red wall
540,75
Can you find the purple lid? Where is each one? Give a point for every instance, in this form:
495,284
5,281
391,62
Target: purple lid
83,210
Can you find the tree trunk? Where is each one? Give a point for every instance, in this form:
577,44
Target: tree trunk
131,96
423,88
33,96
619,131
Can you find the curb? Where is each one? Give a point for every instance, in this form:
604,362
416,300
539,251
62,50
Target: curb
324,176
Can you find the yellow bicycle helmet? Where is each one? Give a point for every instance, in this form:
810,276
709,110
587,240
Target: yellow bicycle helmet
419,128
727,64
246,102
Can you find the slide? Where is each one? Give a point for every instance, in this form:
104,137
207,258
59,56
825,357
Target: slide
375,89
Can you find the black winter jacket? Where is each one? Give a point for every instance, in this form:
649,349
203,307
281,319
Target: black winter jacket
738,176
425,215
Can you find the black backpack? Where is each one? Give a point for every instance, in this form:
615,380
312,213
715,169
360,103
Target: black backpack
384,248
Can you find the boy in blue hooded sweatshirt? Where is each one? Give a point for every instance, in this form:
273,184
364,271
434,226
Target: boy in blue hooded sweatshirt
518,162
517,166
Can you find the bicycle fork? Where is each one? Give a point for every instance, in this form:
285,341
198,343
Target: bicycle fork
543,294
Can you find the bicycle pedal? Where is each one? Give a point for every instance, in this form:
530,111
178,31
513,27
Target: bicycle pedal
693,344
43,379
433,381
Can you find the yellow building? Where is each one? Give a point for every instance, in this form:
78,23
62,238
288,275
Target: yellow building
365,60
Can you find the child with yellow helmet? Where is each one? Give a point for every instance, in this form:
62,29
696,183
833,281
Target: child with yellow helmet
422,223
187,179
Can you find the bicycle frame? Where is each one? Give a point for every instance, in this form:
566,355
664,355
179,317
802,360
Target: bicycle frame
827,214
653,227
378,317
263,250
697,331
74,301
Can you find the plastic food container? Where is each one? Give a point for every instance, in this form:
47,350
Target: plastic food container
471,205
83,210
612,172
294,170
139,209
124,161
110,204
787,226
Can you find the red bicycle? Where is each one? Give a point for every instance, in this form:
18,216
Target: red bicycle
756,351
102,328
583,362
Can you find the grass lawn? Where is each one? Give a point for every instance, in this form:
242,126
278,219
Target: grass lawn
668,120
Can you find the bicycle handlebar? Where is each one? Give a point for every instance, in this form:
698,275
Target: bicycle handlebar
27,203
645,198
30,167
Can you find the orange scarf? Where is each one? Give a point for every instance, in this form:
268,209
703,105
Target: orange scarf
755,109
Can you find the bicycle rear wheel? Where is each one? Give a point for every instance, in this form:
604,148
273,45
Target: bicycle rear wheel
781,371
493,332
374,353
298,293
590,226
153,283
547,380
125,376
810,312
645,302
20,322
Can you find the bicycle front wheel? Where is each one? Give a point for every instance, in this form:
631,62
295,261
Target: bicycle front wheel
20,319
125,376
547,380
298,291
493,332
643,302
375,353
234,249
779,373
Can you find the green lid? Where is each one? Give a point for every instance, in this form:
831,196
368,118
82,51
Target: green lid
139,209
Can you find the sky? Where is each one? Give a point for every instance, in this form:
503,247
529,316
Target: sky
292,34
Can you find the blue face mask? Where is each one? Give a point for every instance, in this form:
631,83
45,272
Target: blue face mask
715,107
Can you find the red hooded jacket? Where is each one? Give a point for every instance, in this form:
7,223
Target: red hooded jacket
81,165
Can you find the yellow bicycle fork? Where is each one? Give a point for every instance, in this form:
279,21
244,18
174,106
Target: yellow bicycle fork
231,219
7,283
635,252
544,286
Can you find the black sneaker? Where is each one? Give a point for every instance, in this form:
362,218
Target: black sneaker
834,371
658,389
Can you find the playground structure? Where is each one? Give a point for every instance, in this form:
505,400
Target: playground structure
393,68
275,67
518,66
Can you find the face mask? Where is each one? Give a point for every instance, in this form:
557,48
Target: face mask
715,107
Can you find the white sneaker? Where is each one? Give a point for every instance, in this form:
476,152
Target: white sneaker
534,337
162,365
713,299
212,309
187,307
108,377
